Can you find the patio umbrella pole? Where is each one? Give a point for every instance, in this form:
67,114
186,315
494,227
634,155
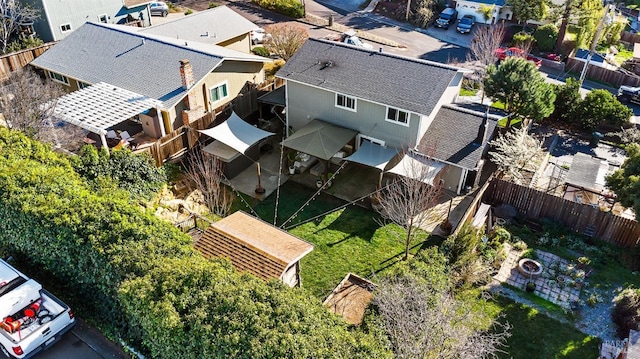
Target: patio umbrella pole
259,189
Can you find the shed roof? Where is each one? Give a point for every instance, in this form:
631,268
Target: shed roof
252,245
453,135
123,57
133,3
587,172
211,26
406,83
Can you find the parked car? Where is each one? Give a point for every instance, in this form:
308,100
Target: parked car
502,53
628,94
349,37
159,8
32,319
258,36
466,24
447,16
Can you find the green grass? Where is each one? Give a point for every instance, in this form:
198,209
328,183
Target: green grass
347,240
468,92
535,335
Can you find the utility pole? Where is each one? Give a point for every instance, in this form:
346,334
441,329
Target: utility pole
605,19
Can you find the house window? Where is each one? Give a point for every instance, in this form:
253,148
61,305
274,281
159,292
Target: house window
219,92
82,85
58,77
345,102
398,116
65,27
103,18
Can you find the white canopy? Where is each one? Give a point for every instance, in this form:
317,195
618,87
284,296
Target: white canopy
100,106
418,168
373,155
236,133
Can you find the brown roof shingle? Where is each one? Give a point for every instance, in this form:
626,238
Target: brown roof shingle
252,245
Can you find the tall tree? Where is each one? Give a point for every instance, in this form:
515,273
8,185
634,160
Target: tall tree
13,14
486,40
284,40
406,201
524,10
28,102
625,182
518,84
516,153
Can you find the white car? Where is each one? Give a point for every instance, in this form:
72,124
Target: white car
159,8
258,36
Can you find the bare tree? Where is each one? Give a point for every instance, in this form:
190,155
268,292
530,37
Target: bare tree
27,103
13,14
285,39
424,321
205,171
516,152
482,52
407,199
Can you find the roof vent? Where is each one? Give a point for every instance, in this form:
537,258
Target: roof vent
380,50
326,64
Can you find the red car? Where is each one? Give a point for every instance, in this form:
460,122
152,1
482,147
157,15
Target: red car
502,53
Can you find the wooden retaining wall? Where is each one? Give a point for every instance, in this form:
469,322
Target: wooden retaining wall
577,217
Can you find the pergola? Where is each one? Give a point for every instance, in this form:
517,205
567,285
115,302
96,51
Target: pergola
101,106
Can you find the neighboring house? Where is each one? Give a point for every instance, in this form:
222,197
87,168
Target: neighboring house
188,79
59,18
387,101
218,26
501,11
256,247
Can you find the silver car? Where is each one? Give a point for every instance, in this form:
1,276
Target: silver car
159,8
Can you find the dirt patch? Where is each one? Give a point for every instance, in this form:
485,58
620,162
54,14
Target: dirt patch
350,298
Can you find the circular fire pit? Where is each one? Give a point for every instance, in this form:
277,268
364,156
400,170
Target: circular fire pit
529,268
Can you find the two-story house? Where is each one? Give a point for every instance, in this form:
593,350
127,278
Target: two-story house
387,100
59,18
188,79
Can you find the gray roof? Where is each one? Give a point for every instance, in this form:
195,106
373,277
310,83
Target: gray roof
585,172
409,84
490,2
211,26
453,136
144,64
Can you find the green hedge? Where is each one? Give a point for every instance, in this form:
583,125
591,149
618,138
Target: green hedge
291,8
142,278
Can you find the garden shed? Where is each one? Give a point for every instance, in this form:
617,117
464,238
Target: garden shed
256,247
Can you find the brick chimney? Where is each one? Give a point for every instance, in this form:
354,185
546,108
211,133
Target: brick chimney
186,74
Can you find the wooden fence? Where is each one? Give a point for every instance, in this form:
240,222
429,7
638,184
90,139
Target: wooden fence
577,217
17,60
615,78
467,217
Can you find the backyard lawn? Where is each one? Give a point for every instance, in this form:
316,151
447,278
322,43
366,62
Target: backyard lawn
351,240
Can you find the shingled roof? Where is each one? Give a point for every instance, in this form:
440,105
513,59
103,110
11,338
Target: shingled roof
211,26
133,3
453,136
252,245
409,84
144,64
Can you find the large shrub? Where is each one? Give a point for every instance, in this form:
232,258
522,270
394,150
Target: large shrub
567,101
625,314
141,278
135,173
546,36
600,106
291,8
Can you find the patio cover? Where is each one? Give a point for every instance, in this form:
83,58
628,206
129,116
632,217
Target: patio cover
101,106
587,172
320,139
236,133
417,168
372,155
275,97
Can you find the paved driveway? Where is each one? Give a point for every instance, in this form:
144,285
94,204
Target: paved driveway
83,342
